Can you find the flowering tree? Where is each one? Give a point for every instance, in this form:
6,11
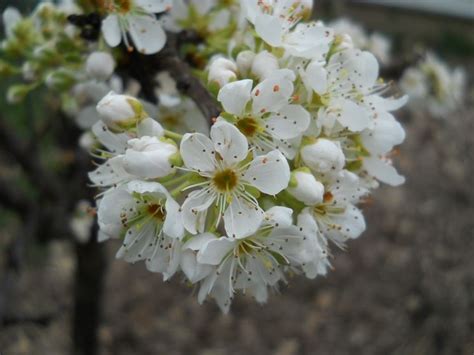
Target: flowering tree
234,142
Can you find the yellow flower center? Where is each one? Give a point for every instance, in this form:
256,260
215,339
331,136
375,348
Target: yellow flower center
157,211
249,126
225,180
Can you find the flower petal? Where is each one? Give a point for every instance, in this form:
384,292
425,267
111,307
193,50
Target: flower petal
197,152
147,34
173,225
383,171
235,95
242,218
229,142
194,211
214,251
111,30
154,6
270,29
271,94
289,122
269,173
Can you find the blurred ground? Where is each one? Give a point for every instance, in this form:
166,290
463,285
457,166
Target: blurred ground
405,287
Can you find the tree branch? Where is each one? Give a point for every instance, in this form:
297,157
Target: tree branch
28,160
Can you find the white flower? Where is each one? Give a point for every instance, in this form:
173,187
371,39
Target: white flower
112,172
385,134
323,156
251,264
120,112
149,157
276,22
100,65
138,20
264,115
148,220
336,216
341,86
82,221
11,17
433,86
230,179
315,245
305,188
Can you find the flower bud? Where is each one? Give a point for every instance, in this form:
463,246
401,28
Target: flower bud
323,156
264,64
305,188
244,61
222,71
100,65
149,157
61,79
120,112
17,93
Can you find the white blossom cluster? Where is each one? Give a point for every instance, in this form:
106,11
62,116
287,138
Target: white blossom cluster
305,132
434,87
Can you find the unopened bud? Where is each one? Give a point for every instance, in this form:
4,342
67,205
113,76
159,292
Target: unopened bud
222,71
323,156
305,188
100,65
120,112
149,157
244,61
264,65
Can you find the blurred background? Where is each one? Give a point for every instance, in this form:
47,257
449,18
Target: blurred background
405,287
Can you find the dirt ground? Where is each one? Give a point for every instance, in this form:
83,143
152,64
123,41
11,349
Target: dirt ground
405,287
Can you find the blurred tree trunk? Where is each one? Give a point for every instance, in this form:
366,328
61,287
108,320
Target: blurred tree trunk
89,287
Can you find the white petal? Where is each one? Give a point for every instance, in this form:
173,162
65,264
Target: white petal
289,122
147,34
386,134
353,116
270,29
242,218
271,95
279,216
150,164
87,117
316,77
173,225
215,250
149,127
383,171
115,142
111,30
344,226
11,16
193,270
229,142
197,152
309,41
197,242
110,173
154,6
234,96
269,173
147,187
195,211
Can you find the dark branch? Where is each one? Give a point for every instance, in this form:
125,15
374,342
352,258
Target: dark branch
28,160
13,198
